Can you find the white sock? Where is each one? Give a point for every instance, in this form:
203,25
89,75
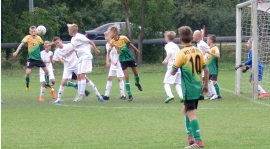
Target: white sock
210,93
60,92
79,87
261,89
179,91
168,90
122,88
213,90
92,85
82,89
42,89
108,88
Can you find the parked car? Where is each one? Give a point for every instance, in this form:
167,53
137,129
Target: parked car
98,33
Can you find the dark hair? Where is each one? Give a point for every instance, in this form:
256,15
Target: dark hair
185,34
56,38
212,37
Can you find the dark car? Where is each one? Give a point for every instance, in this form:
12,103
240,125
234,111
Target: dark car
98,33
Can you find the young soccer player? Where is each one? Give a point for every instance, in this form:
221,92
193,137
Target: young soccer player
46,56
171,49
123,44
262,92
191,62
34,59
212,56
82,45
112,61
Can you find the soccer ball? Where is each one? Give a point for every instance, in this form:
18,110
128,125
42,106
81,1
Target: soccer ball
41,30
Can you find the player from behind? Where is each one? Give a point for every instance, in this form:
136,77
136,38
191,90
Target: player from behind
191,62
81,44
46,56
123,44
248,63
34,59
112,61
212,56
171,49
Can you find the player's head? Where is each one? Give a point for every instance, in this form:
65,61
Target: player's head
114,30
169,36
185,34
58,42
33,30
47,45
211,39
197,35
72,29
107,35
249,43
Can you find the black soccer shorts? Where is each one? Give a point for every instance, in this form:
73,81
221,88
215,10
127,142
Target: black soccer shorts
213,77
127,64
190,104
31,63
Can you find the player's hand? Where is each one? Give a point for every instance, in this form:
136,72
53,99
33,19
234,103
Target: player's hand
97,51
207,51
165,62
108,64
138,52
15,54
205,89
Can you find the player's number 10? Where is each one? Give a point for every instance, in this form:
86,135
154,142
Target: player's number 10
196,64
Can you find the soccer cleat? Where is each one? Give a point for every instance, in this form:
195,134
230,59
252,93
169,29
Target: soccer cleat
197,144
181,100
105,97
27,86
86,92
264,95
47,86
80,97
219,98
76,98
100,98
167,100
130,98
139,86
41,98
56,102
214,97
209,97
191,140
76,86
123,97
52,94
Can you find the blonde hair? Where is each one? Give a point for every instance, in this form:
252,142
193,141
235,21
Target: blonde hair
73,27
170,34
198,33
47,44
107,32
114,28
32,27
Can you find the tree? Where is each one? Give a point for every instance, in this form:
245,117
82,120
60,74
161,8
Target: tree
141,35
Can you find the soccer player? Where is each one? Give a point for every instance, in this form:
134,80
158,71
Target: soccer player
46,56
248,63
123,44
112,61
82,47
212,56
171,49
191,62
34,59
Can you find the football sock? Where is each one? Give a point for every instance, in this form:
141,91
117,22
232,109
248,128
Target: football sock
209,90
179,91
217,89
261,89
47,79
127,84
60,92
27,79
187,125
122,89
42,89
82,88
212,88
168,90
79,87
108,88
72,84
137,79
195,129
92,85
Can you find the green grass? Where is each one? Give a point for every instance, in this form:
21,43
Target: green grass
233,123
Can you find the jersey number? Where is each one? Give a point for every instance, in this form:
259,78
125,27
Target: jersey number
196,65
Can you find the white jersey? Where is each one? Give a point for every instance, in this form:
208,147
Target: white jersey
45,56
81,46
70,61
203,46
114,57
171,48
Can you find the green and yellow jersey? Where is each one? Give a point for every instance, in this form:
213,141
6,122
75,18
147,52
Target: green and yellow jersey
190,60
212,61
122,46
34,45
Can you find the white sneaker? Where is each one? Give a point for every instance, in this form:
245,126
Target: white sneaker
76,98
214,97
80,97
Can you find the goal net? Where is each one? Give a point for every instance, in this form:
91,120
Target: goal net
245,22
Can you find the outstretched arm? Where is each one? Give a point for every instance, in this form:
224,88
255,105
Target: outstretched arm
94,46
134,48
18,50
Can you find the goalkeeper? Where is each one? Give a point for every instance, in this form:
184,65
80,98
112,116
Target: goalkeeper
248,64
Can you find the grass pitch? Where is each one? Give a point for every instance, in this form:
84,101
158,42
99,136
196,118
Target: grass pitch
233,123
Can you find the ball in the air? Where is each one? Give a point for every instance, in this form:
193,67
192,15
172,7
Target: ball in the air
41,30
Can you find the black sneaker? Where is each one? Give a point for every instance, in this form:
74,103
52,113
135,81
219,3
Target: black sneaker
219,98
76,86
123,97
130,98
105,97
139,86
86,92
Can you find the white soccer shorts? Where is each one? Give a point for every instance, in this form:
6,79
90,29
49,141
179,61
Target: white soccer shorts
67,73
42,75
118,72
85,66
170,79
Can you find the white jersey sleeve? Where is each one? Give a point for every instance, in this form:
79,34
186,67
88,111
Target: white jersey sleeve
171,48
202,46
107,46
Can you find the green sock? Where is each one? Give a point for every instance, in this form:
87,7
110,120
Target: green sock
47,79
137,79
187,125
217,89
127,84
27,79
72,84
195,129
